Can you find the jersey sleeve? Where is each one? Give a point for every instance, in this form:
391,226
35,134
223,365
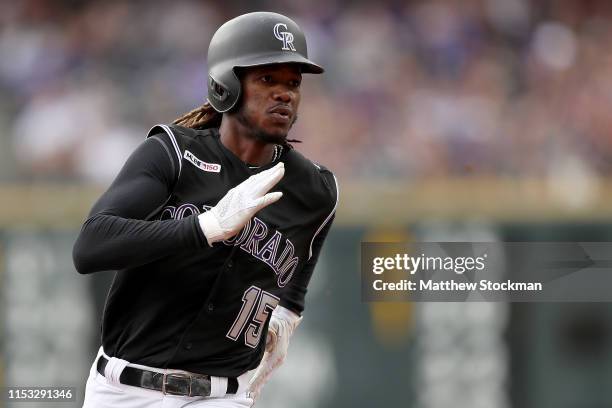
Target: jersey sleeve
295,293
117,233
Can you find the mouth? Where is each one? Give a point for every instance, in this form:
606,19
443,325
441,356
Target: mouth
282,113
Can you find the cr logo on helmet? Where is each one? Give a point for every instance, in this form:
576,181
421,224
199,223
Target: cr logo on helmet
285,36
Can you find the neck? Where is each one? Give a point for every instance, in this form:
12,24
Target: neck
237,138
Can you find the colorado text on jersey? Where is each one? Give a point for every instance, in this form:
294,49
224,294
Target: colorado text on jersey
254,232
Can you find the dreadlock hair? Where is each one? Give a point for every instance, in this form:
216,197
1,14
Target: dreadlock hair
206,117
202,117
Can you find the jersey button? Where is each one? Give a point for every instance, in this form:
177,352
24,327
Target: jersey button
188,346
230,264
210,307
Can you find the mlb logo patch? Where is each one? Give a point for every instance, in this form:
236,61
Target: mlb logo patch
202,165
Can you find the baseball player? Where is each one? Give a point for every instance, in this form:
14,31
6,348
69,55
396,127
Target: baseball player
214,226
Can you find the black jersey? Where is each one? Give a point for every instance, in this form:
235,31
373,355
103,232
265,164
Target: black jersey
187,305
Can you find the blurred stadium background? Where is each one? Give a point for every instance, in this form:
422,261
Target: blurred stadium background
444,120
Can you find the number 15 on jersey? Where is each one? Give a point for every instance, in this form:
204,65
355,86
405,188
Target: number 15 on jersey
263,303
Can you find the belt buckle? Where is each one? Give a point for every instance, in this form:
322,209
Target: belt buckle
176,390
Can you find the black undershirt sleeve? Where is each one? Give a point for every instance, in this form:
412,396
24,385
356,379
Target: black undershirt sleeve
293,297
117,234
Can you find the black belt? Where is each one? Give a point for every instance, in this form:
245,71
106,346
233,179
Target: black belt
185,384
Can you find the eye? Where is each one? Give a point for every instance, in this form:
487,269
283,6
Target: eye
266,78
295,83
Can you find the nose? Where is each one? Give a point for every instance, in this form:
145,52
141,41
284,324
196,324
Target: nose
283,94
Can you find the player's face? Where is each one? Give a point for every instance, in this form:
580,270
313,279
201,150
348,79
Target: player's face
270,100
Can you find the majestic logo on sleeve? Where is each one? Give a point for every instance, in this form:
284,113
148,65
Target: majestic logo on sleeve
256,239
202,165
285,36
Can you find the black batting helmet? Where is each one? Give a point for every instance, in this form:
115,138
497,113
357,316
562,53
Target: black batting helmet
249,40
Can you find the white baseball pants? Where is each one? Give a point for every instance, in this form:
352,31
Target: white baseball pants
105,391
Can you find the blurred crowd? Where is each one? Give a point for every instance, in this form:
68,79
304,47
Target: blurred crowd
412,89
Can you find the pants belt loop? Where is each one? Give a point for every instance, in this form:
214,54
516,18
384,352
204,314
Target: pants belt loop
218,386
113,369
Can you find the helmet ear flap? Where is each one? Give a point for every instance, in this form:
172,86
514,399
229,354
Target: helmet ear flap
223,90
220,93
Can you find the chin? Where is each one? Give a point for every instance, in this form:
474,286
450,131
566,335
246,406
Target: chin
271,136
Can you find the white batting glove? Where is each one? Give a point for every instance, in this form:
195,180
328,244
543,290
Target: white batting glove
280,330
240,204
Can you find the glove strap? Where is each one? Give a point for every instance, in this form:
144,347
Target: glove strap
211,228
287,315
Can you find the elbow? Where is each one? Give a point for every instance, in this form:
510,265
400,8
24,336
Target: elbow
81,257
